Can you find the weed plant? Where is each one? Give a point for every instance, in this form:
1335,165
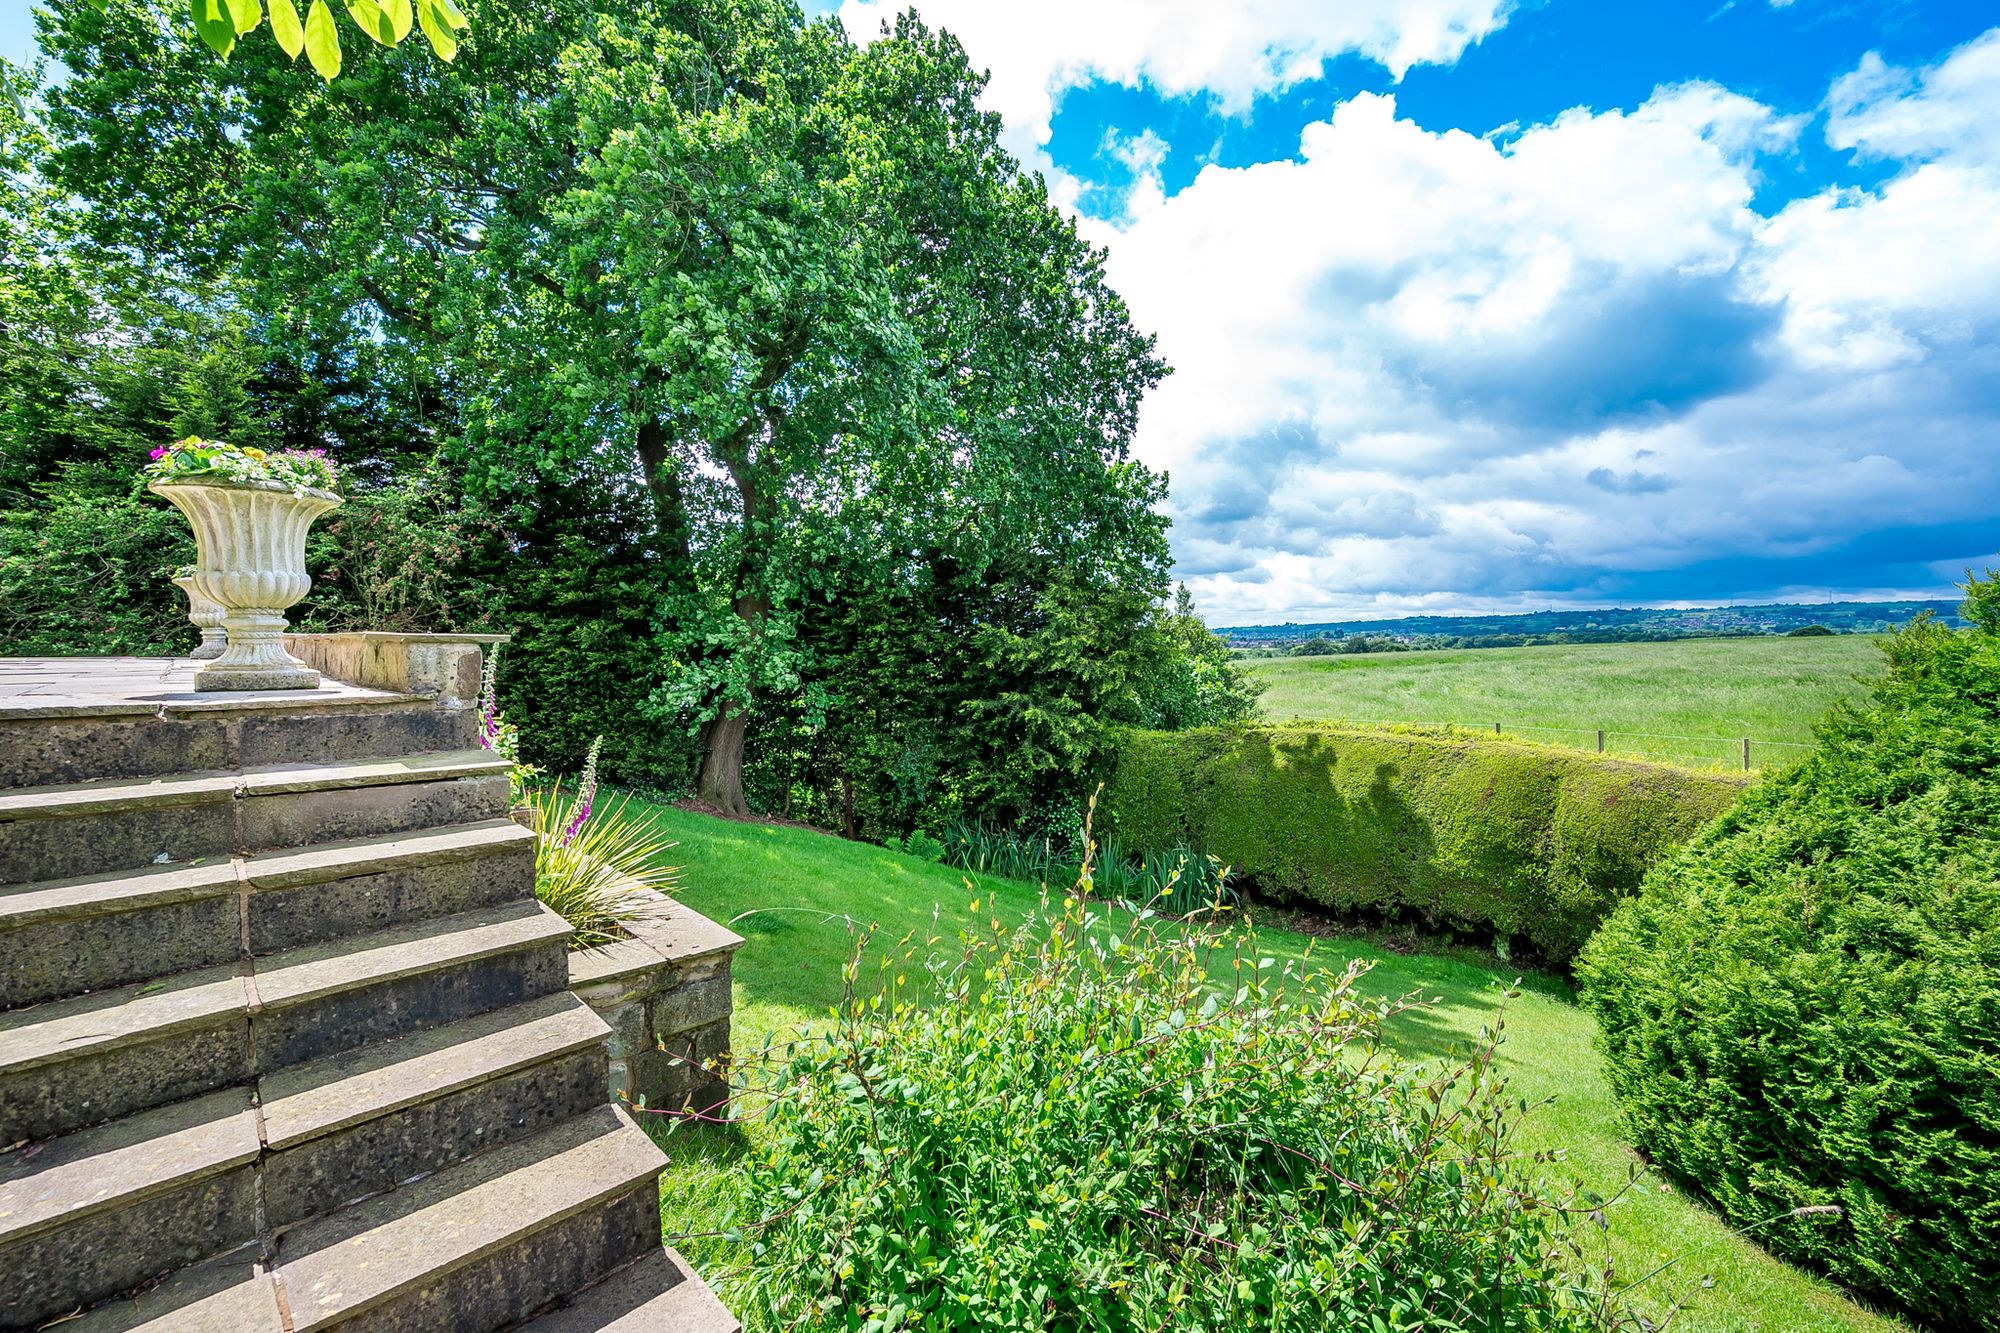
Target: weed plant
1108,1122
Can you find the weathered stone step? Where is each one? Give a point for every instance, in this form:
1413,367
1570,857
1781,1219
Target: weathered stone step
232,1294
330,997
70,1063
67,937
658,1293
130,739
361,1122
101,1211
86,828
483,1243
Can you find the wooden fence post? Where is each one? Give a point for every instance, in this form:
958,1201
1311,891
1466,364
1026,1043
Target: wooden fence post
1496,728
1600,740
1746,754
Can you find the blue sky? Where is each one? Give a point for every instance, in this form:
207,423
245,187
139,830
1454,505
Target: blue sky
1496,304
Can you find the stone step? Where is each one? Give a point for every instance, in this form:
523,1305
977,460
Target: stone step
484,1243
86,828
358,1123
658,1293
331,997
76,1062
136,739
232,1294
101,1211
68,937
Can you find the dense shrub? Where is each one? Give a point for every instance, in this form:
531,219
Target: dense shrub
1802,1008
1514,839
84,577
1087,1130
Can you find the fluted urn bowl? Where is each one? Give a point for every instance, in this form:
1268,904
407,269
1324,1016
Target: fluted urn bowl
250,542
206,616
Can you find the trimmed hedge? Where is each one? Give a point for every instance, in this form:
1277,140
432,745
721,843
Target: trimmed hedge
1802,1008
1492,835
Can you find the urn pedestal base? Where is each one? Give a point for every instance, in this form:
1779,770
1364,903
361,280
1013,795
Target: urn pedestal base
218,677
255,658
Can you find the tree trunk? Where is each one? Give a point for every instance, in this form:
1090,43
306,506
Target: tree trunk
721,780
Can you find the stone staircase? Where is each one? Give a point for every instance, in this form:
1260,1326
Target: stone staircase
285,1039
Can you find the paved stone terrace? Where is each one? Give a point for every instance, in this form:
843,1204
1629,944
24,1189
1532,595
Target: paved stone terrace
39,687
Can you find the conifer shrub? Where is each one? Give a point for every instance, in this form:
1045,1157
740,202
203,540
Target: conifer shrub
1108,1124
1466,833
1801,1009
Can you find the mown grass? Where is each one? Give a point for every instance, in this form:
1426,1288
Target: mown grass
799,897
1645,696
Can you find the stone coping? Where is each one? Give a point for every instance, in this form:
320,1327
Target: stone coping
445,668
679,934
60,687
392,636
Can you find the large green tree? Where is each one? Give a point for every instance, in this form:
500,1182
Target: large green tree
788,290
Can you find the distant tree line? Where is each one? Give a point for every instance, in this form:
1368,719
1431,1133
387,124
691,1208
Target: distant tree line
1643,625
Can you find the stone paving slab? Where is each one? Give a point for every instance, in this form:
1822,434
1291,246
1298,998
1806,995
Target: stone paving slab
46,687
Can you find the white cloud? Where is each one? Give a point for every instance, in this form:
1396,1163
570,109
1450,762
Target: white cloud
1419,366
1232,52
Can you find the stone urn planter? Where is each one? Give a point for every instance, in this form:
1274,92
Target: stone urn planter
251,562
206,617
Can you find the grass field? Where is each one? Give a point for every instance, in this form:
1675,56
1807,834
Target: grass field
1649,698
798,896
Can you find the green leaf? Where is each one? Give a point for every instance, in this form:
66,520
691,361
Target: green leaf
245,14
451,15
368,17
214,25
437,29
285,26
322,41
398,12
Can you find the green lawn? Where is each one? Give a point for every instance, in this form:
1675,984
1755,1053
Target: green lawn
1647,697
798,896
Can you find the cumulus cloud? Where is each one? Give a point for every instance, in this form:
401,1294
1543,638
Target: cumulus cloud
1416,367
1232,53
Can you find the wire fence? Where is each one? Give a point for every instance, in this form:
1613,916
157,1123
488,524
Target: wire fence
1744,752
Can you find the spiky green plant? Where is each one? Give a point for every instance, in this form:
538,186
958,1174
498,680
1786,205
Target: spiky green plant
595,870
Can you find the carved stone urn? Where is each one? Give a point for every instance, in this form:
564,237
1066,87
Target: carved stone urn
206,617
250,539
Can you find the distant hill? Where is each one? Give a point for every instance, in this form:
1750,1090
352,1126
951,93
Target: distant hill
1638,624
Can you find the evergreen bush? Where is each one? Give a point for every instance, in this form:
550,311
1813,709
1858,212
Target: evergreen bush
1802,1007
1515,840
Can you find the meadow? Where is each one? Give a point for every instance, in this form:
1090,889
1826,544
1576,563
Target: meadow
1686,701
802,899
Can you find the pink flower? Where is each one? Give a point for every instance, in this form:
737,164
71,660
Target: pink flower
157,453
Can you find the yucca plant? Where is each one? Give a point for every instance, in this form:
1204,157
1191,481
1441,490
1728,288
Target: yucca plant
596,860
